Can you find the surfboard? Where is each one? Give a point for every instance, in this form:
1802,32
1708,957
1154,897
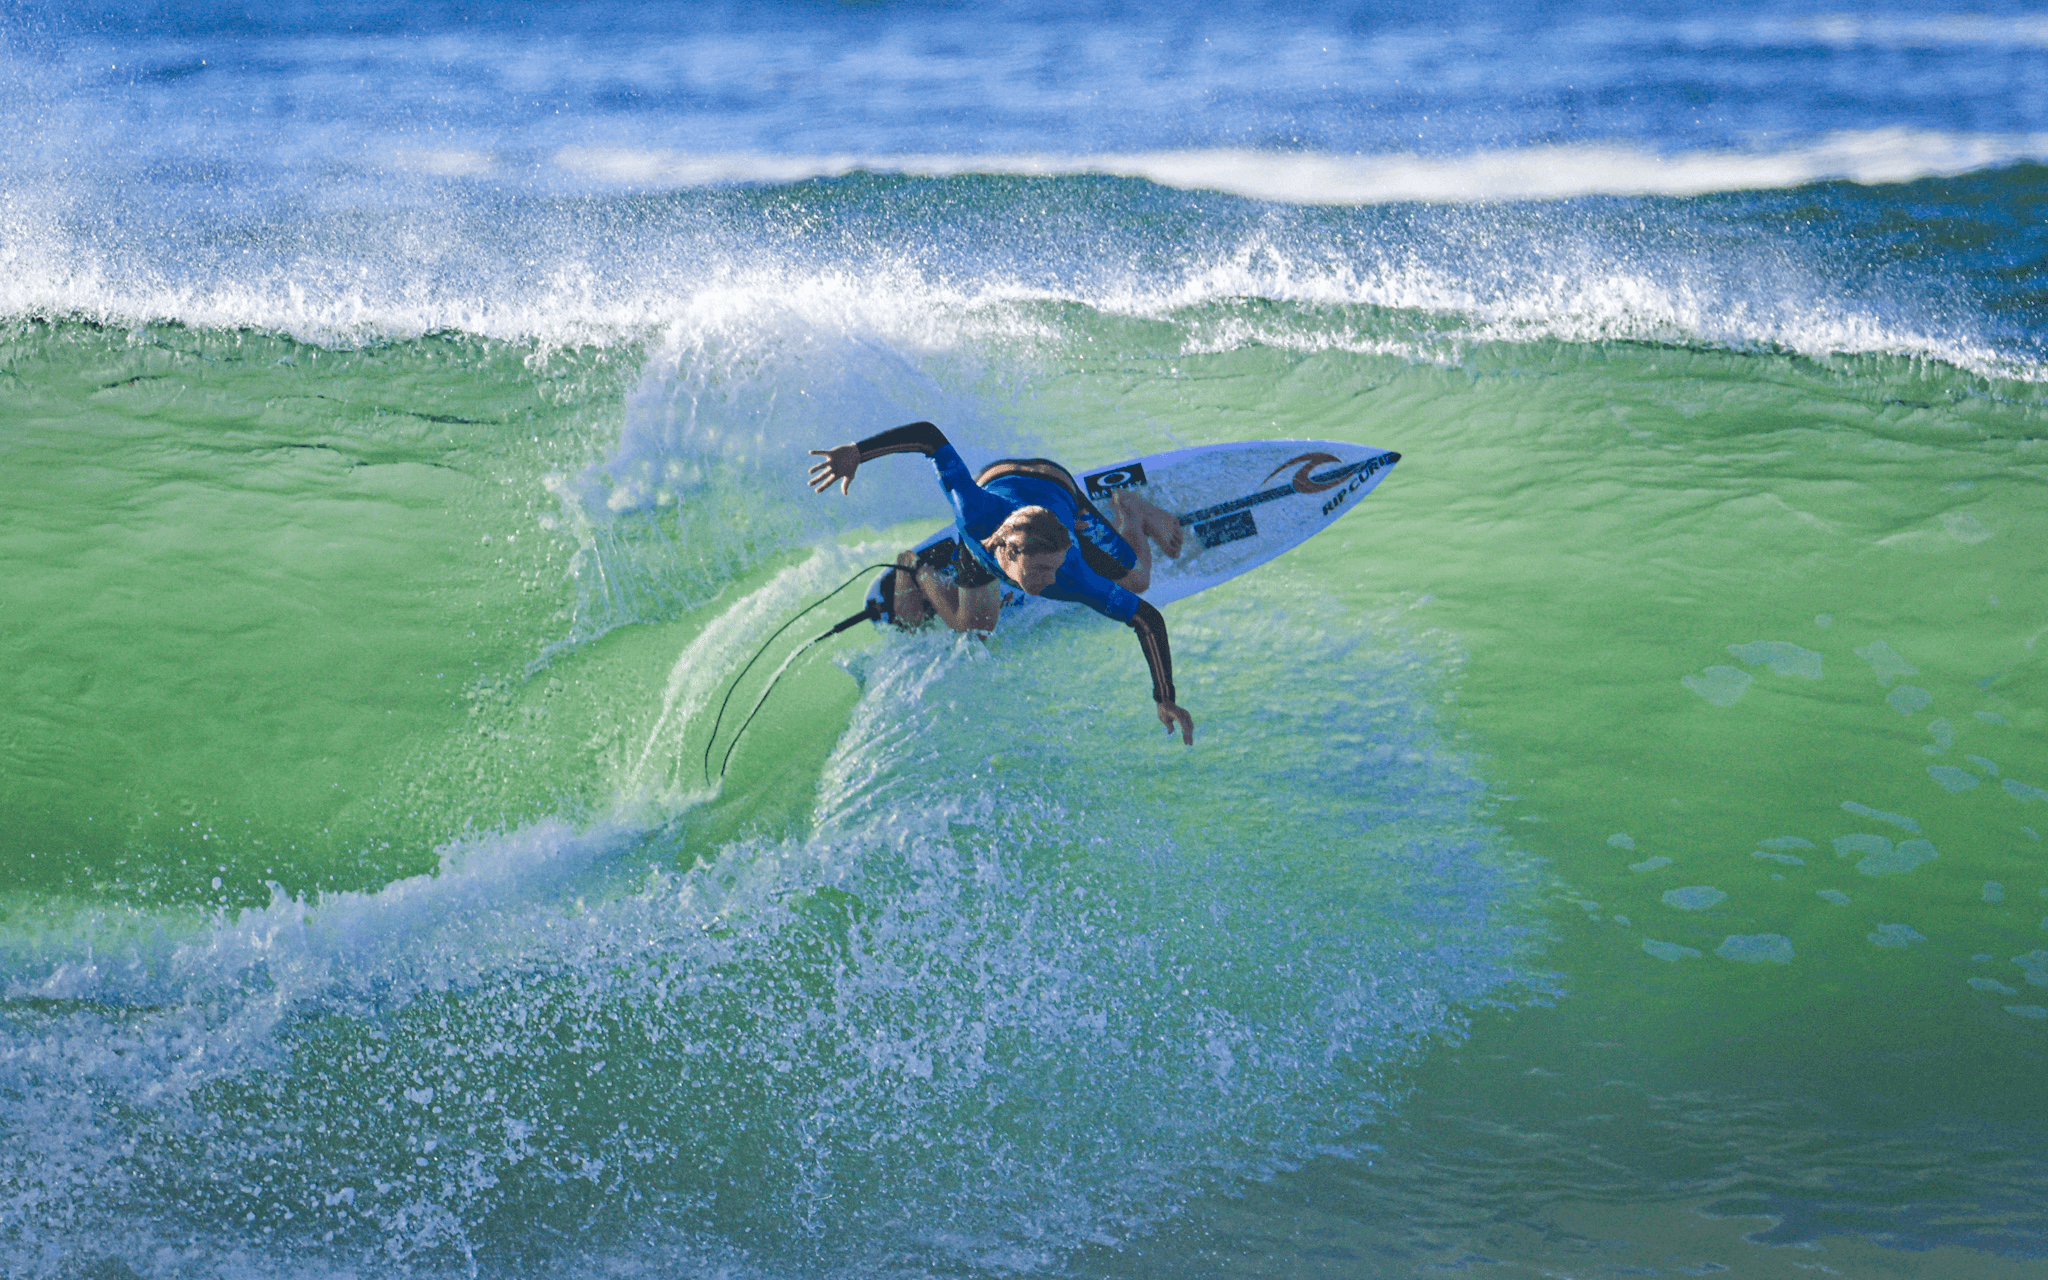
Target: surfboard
1240,505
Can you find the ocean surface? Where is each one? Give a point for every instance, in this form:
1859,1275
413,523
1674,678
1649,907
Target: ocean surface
1615,849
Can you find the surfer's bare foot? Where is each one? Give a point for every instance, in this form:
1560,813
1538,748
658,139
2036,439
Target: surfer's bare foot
1154,522
1166,532
1130,526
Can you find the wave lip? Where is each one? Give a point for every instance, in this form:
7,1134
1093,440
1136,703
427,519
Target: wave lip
1872,157
1932,31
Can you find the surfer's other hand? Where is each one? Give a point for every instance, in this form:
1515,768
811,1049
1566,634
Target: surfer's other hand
1173,717
839,464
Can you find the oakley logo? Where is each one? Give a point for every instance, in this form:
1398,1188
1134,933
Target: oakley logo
1117,478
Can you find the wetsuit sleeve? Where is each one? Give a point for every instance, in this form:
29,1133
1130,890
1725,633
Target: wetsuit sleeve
1103,549
916,437
978,512
1151,629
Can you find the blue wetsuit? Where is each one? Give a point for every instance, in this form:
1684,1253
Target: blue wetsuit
979,510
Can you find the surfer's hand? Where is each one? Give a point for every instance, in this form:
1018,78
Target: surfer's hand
1173,717
839,464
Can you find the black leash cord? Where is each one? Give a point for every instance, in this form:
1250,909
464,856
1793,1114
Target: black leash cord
734,686
773,680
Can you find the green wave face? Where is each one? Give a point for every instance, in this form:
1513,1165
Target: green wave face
1670,724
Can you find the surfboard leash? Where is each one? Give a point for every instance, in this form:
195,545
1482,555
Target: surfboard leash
871,612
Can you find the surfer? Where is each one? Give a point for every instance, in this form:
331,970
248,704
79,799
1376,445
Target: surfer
1026,522
966,597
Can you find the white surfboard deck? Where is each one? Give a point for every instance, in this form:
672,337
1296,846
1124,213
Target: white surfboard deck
1240,505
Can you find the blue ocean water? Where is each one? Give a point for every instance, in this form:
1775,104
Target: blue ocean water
1613,850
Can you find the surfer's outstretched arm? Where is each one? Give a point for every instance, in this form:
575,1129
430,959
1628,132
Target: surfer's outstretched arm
980,511
1151,629
840,463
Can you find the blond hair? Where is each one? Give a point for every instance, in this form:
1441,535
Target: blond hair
1030,531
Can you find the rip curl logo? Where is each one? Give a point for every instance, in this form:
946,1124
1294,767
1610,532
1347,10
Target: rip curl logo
1358,473
1307,462
1365,473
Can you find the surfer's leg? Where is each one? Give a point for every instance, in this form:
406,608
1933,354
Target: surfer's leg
975,608
911,608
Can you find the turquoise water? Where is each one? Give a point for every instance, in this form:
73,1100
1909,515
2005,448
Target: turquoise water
1615,849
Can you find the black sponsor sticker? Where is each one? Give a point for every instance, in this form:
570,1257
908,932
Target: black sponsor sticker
1235,527
1104,482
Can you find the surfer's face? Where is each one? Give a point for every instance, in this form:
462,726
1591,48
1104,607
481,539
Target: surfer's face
1034,573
